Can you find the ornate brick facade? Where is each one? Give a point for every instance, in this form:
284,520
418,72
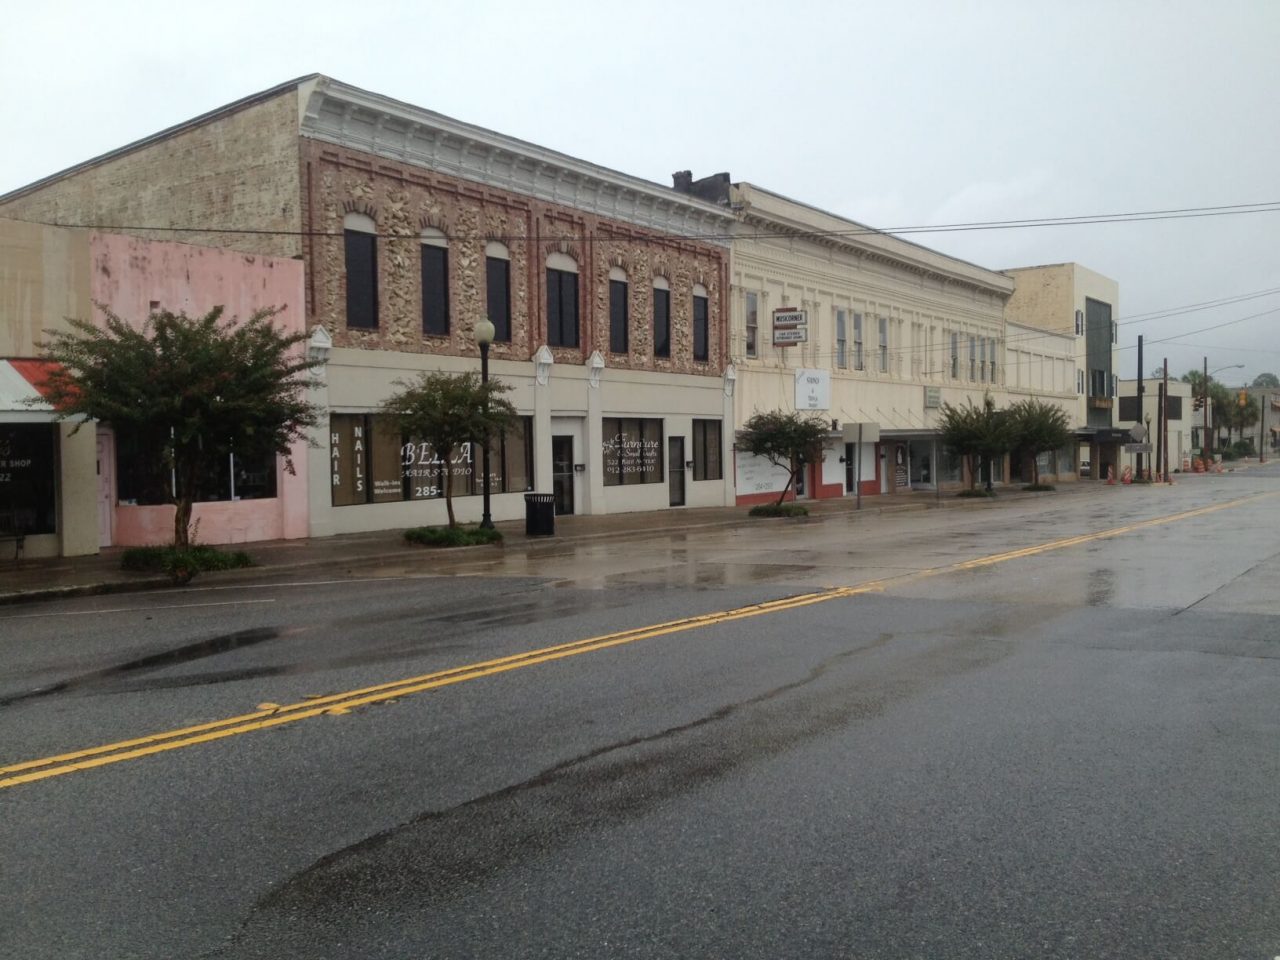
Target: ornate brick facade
403,200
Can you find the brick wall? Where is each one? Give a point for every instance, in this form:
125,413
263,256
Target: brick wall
403,200
238,170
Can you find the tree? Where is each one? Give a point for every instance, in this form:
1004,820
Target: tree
191,389
447,410
784,439
975,433
1266,381
1036,427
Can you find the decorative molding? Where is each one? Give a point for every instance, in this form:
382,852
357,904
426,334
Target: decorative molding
336,113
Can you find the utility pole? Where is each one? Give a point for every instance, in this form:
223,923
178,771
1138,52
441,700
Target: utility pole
1161,452
1164,411
1138,415
1262,428
1206,448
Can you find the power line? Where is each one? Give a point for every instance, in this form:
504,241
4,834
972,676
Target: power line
1181,213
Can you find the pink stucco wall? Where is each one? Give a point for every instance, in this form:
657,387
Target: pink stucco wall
129,275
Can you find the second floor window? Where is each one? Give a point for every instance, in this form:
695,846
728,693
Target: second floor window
435,284
618,312
360,243
955,356
661,318
497,276
884,344
562,302
841,344
753,323
858,362
701,324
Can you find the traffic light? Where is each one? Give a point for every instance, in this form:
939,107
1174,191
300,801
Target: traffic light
1243,399
1197,404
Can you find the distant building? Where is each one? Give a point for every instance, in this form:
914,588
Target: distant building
1070,300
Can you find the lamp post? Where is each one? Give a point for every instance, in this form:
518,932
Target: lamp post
1208,444
484,337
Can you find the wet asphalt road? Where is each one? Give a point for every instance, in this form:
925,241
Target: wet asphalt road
1066,752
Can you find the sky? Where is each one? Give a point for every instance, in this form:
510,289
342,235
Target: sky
894,114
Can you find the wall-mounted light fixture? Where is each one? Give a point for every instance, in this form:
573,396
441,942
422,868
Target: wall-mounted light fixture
542,361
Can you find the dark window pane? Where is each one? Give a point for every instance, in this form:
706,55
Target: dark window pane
618,316
700,332
435,290
27,475
362,279
661,323
498,289
562,308
706,450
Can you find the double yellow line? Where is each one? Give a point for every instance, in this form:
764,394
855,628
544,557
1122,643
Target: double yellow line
339,703
271,715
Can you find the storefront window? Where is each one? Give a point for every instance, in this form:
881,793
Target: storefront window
632,451
372,461
144,477
27,471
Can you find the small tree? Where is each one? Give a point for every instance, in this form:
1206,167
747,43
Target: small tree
784,439
974,433
193,389
447,410
1036,427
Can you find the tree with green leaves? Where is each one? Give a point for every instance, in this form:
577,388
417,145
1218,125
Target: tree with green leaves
447,411
787,440
975,433
1266,381
191,390
1036,427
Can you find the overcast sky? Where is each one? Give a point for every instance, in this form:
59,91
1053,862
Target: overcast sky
894,114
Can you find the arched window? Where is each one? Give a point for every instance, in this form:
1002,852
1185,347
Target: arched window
435,283
661,317
562,300
701,324
360,240
497,275
618,311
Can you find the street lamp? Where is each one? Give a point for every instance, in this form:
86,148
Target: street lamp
484,336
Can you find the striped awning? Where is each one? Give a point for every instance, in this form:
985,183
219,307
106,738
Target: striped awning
22,398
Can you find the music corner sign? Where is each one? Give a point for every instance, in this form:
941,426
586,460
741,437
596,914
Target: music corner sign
813,389
790,326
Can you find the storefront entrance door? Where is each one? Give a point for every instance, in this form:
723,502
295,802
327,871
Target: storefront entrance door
562,473
675,469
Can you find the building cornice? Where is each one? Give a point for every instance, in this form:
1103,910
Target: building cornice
765,215
347,116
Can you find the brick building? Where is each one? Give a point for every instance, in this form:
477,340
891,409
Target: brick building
610,313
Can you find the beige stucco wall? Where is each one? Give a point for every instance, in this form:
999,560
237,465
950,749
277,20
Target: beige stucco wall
1044,297
44,278
358,381
924,294
236,170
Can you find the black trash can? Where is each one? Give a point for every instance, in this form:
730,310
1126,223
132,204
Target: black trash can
539,515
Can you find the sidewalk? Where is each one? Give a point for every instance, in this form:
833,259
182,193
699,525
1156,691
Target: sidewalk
52,578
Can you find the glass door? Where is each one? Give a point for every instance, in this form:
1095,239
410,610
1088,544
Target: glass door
675,469
562,473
